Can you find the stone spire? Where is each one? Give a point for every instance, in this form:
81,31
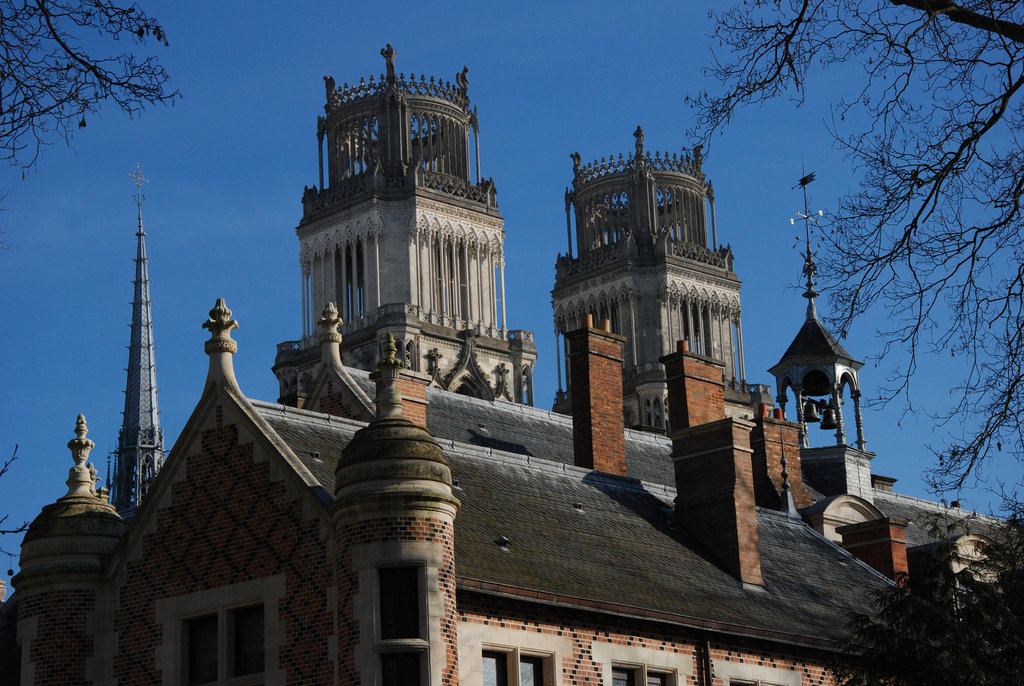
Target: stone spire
140,450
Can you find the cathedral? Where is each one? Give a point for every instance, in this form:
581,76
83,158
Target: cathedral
402,514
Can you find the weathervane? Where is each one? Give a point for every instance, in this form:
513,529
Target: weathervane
139,179
810,268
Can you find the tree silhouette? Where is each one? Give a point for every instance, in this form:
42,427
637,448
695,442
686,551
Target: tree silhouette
60,60
933,234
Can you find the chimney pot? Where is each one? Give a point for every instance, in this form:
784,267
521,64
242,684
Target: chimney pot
682,346
606,325
762,409
588,321
777,414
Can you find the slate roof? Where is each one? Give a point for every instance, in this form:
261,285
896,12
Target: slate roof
525,430
578,535
814,340
930,520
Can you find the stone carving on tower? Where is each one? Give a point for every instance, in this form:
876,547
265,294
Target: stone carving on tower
819,372
140,445
404,236
638,255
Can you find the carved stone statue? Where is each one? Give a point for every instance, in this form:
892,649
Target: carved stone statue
388,53
462,79
575,163
639,135
698,157
329,85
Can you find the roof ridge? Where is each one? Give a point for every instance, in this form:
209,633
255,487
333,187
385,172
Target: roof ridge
935,506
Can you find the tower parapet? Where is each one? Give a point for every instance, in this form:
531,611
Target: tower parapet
639,254
395,134
405,237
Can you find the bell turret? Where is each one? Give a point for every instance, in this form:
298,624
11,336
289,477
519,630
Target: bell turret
820,374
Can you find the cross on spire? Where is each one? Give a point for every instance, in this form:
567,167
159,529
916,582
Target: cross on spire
139,179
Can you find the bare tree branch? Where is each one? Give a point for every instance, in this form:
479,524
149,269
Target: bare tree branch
934,234
3,470
60,59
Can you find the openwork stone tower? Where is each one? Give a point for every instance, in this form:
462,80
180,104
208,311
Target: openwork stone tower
638,255
405,237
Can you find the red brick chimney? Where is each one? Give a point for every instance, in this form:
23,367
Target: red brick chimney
769,439
699,400
595,377
412,386
712,454
880,543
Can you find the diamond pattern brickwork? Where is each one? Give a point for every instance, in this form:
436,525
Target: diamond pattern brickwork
227,522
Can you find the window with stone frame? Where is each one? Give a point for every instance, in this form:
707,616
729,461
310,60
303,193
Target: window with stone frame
641,675
227,644
399,602
402,641
509,667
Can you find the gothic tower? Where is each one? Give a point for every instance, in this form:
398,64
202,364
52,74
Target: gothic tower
404,236
140,445
638,256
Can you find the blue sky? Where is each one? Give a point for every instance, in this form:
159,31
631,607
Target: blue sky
228,162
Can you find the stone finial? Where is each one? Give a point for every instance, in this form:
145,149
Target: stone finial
329,323
221,347
81,477
389,400
220,325
330,338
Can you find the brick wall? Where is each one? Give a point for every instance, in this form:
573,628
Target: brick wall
413,529
332,402
227,522
595,363
61,642
578,666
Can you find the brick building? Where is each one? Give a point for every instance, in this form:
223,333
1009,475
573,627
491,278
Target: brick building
411,525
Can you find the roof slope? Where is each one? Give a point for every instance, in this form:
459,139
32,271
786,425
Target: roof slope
579,534
525,430
930,521
814,340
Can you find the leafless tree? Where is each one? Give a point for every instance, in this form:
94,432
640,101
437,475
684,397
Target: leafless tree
3,517
932,235
60,59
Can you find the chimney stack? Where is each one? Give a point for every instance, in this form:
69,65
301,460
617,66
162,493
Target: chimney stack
770,440
712,454
595,377
696,388
880,543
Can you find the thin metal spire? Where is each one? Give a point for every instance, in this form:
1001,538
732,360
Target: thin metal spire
810,268
140,451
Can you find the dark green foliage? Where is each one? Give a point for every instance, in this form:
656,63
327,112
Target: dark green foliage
942,628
